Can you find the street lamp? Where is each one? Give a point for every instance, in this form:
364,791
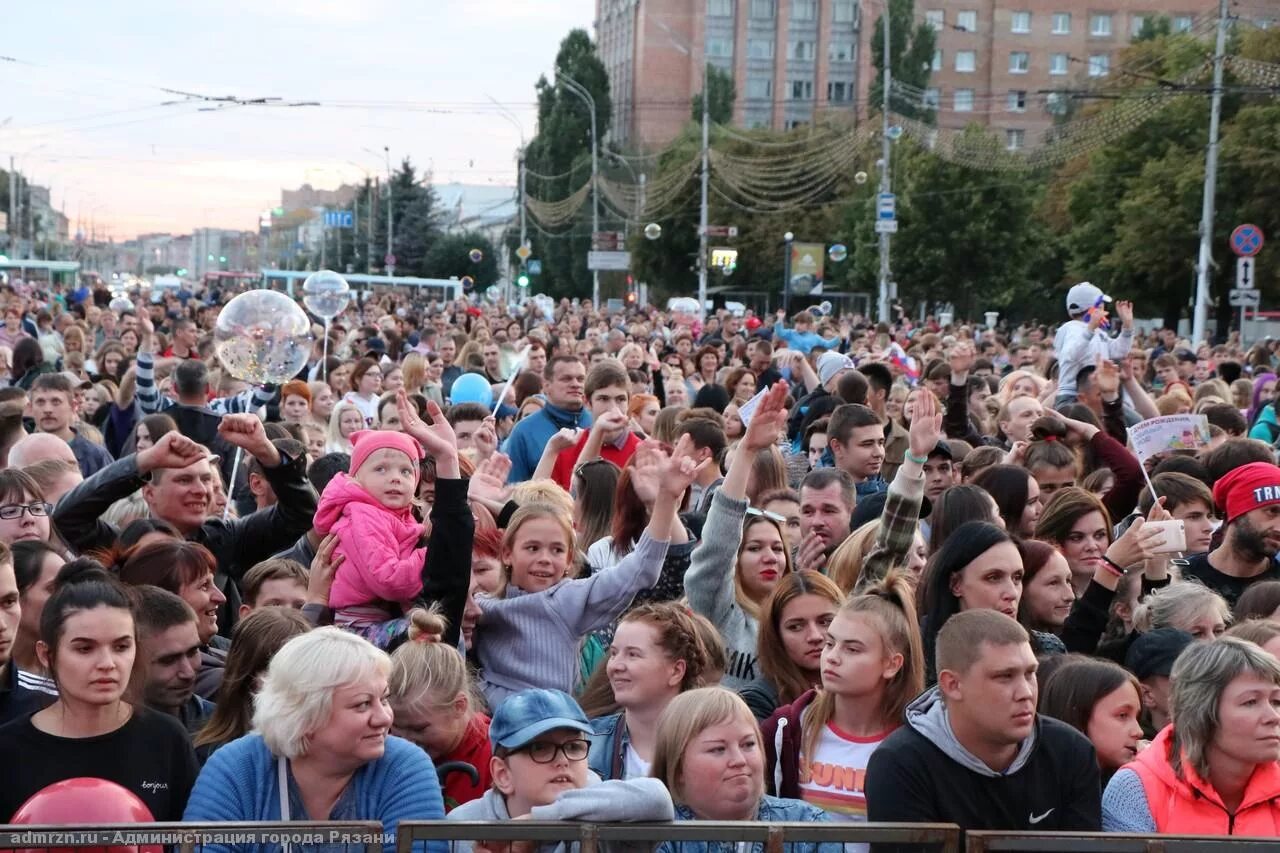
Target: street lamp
524,234
786,271
581,91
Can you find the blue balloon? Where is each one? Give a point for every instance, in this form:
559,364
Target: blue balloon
471,388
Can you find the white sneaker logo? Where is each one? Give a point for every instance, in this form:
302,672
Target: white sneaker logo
1036,818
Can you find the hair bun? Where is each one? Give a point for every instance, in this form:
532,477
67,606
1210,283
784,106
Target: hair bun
1048,429
83,570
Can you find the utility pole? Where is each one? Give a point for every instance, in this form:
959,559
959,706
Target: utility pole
371,210
706,172
885,152
13,195
524,232
581,91
391,225
1200,317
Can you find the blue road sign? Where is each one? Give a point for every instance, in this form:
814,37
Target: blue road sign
535,267
1246,240
338,219
886,206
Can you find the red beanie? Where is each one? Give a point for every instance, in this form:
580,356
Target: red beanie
1246,488
366,441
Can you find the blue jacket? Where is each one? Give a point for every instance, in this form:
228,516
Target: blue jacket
240,783
609,739
530,437
804,341
772,810
1265,428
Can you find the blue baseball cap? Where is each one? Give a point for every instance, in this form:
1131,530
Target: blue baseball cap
529,713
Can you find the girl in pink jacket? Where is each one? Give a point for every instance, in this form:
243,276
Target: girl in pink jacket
371,511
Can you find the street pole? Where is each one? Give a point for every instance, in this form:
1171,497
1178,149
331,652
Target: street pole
1200,317
371,212
702,212
786,273
885,152
581,91
13,195
391,225
524,233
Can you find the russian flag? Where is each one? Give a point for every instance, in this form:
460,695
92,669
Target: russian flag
904,362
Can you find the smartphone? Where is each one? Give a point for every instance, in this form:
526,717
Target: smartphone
1175,536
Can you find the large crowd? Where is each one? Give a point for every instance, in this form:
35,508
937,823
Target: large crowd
492,561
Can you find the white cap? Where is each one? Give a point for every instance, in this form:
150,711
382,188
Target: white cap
1084,296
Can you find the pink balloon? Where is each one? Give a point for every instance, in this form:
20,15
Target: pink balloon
85,800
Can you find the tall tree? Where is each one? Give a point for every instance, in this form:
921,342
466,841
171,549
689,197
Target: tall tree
561,151
722,95
911,47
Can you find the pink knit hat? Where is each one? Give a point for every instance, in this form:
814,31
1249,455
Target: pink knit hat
366,441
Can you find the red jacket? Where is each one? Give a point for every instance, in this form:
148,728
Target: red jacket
782,739
1190,806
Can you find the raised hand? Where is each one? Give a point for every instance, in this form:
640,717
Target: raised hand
324,567
1108,378
486,438
246,432
173,450
610,422
1124,309
437,438
961,359
489,482
680,469
926,426
769,419
564,439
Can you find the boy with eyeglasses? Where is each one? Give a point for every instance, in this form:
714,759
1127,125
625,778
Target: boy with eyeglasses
539,767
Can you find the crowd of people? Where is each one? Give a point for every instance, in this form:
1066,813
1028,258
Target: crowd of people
488,562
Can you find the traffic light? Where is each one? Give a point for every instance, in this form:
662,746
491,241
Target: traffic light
522,280
632,296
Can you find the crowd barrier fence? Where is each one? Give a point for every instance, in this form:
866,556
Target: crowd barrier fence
1110,842
349,836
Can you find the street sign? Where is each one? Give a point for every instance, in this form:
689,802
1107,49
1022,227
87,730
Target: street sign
338,219
608,260
1244,273
722,230
524,252
1246,298
886,226
534,267
886,206
608,241
389,259
1246,240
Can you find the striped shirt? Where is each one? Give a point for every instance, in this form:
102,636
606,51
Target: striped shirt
151,401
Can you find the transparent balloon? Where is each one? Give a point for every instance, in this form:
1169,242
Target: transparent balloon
476,256
838,253
262,337
326,294
825,308
493,293
653,231
468,283
121,303
859,177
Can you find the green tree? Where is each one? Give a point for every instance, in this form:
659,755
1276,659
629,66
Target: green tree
911,47
450,257
562,153
723,94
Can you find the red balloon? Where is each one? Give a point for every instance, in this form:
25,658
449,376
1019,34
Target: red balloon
753,323
85,800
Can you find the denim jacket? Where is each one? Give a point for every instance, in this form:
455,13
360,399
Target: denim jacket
772,810
609,740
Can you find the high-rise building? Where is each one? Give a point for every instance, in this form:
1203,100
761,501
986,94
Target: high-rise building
790,60
1011,65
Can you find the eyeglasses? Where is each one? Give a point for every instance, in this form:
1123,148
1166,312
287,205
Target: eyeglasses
544,752
772,516
38,509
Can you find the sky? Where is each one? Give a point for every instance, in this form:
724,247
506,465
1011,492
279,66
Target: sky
84,110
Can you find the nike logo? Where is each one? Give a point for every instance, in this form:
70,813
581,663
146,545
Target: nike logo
1036,818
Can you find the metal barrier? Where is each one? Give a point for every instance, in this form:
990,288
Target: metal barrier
1110,842
941,838
351,836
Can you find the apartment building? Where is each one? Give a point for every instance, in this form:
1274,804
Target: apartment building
1013,66
791,60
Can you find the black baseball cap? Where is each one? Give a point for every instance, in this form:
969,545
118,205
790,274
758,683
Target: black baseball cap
1154,652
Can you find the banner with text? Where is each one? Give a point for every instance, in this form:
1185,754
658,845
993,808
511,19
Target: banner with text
1172,432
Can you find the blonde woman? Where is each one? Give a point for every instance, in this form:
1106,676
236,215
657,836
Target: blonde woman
1021,383
346,419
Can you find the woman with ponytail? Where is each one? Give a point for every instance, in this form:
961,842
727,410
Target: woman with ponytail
1054,458
872,666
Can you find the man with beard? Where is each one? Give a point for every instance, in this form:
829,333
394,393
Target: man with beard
827,502
1249,499
164,677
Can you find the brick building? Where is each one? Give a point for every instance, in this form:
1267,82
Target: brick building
1001,63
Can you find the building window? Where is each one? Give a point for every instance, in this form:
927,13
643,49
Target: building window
720,8
840,51
804,10
1100,25
1099,65
964,100
966,60
933,98
967,21
935,18
720,47
759,88
763,10
1057,63
760,49
801,90
1136,23
936,65
1017,101
1019,62
1014,139
1061,24
844,12
802,50
839,91
1020,22
1181,24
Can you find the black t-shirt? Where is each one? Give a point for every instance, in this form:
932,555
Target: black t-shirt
1228,586
150,755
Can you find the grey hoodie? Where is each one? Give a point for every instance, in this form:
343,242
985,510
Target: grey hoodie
927,714
614,801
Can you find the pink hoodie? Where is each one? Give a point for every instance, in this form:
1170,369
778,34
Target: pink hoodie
382,562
